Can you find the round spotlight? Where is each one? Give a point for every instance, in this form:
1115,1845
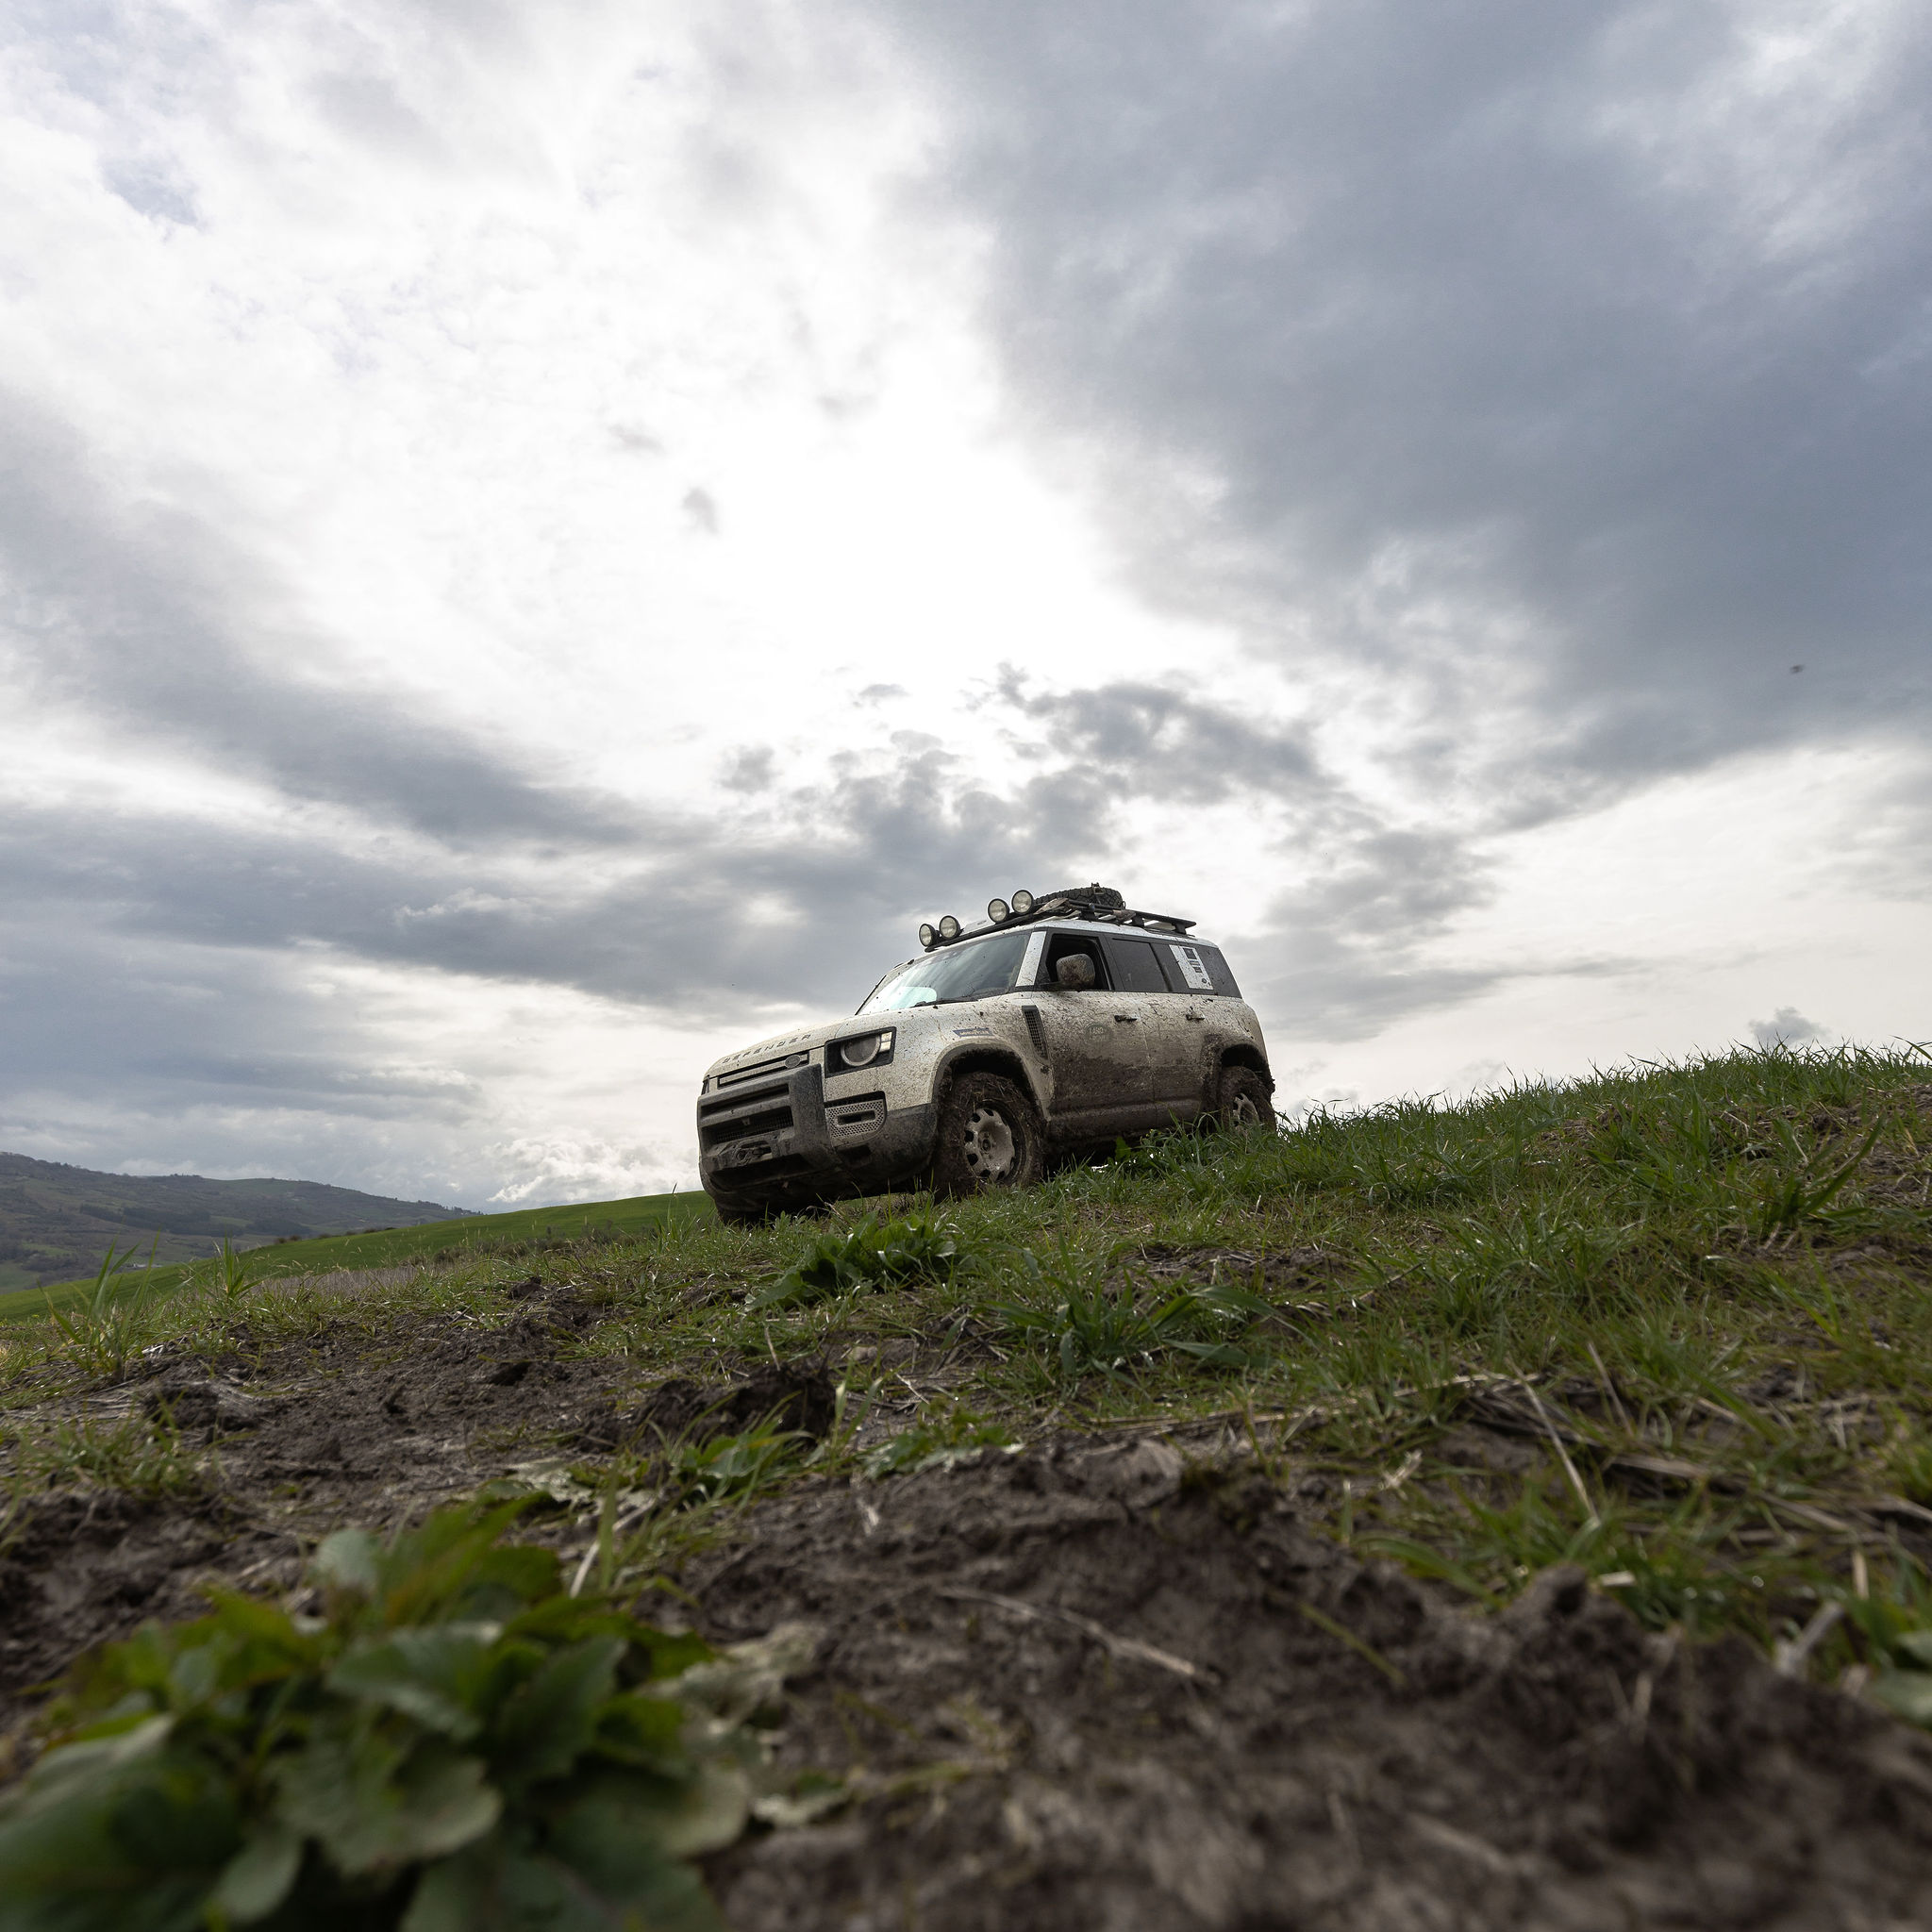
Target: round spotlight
1023,901
998,912
927,937
949,928
860,1053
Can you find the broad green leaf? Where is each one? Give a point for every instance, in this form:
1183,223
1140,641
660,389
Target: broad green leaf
371,1804
643,1731
1908,1693
457,1893
1916,1645
548,1723
174,1812
434,1675
256,1879
625,1838
76,1765
349,1561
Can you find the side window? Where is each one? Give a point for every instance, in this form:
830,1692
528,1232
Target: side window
1197,969
1063,946
1135,967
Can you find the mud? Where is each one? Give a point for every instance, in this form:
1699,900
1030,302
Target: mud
1078,1689
1091,1684
291,1443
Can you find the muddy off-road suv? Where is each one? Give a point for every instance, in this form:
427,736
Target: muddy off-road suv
1060,1025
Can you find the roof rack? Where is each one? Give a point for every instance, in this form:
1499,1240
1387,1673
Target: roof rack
1100,903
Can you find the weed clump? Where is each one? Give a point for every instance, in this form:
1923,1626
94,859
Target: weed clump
921,1247
455,1742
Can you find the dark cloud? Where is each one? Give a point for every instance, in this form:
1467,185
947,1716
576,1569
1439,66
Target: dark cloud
687,926
1570,362
1163,742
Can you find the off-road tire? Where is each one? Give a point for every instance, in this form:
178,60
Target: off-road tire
989,1136
1242,1102
742,1213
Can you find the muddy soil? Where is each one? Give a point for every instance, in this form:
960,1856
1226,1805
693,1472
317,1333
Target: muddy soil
1084,1687
295,1442
1087,1685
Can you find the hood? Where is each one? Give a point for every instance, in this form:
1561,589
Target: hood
798,1040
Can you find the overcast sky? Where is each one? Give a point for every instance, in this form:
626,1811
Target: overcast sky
537,542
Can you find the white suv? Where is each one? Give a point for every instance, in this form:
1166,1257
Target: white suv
1061,1024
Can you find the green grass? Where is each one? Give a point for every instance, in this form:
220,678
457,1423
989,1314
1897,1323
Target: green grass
473,1236
1673,1323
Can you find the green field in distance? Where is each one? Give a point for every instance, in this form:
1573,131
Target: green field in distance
394,1247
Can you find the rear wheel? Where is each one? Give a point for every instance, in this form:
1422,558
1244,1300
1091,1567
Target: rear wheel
1245,1102
989,1136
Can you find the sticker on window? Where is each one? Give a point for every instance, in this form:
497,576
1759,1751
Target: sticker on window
1194,970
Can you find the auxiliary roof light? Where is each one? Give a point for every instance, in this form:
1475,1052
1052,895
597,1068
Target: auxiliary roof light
949,928
927,937
998,912
1023,901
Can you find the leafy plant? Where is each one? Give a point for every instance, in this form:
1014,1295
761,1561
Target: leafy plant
1896,1629
232,1272
876,1254
1797,1195
729,1469
104,1328
941,1440
454,1743
1095,1327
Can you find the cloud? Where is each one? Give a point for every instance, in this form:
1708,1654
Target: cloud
147,620
1162,742
1569,371
1789,1027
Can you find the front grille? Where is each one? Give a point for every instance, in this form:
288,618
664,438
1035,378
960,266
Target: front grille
743,1114
770,1120
739,1074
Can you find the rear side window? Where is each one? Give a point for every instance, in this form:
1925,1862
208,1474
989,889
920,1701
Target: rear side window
1197,969
1134,967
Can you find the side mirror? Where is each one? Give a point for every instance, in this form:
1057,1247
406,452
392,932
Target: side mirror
1074,972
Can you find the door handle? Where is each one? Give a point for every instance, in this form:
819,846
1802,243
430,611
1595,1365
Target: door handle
1127,1019
1195,1018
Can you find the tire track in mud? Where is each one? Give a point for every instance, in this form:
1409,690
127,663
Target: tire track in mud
1083,1686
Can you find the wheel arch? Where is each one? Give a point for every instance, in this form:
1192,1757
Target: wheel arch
985,1059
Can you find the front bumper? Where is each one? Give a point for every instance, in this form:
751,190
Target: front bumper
779,1140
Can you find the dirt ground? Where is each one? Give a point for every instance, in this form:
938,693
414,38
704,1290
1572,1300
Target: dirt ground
1096,1683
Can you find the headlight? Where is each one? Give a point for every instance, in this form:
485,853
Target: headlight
864,1051
927,937
1023,901
949,928
998,912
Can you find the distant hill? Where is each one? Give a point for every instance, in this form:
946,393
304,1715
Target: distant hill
55,1221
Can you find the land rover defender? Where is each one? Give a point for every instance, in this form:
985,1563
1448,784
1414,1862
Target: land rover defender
1059,1025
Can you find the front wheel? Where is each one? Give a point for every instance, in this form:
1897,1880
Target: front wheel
1245,1102
989,1136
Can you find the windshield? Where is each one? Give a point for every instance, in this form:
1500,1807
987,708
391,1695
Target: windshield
965,973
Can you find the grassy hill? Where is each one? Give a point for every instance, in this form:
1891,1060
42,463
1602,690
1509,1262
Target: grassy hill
56,1222
471,1238
1508,1500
